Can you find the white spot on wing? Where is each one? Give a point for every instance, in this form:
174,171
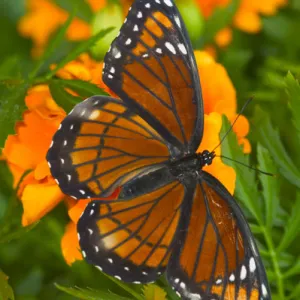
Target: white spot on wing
90,231
243,274
69,177
177,280
92,212
96,248
99,268
168,2
177,20
232,278
118,277
65,142
252,265
126,268
135,28
147,5
182,285
264,290
158,50
83,253
182,48
137,282
170,47
157,1
128,41
82,192
139,15
110,260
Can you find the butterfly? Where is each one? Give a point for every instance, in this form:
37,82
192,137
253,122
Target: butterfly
170,215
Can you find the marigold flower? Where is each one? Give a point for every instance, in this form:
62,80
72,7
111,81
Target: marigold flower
27,151
44,17
247,17
219,94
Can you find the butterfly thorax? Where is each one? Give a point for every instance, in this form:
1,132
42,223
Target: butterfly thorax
192,163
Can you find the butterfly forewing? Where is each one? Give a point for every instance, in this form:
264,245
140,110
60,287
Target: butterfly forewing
218,258
102,144
151,66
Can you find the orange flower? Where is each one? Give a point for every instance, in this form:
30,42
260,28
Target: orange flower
86,69
44,17
27,151
219,94
247,18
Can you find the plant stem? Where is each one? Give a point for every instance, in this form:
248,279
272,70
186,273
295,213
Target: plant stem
274,258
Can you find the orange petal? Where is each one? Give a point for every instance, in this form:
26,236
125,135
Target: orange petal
70,245
212,125
245,144
241,127
248,21
224,37
225,174
38,200
219,94
76,211
42,170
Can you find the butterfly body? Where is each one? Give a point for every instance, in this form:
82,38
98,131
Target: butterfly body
170,216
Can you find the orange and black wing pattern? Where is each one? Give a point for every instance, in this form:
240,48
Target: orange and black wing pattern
100,145
131,238
151,66
216,256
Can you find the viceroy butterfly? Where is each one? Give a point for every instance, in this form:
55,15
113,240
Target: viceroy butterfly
170,215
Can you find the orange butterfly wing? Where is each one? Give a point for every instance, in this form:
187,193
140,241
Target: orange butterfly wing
100,145
151,66
131,238
218,258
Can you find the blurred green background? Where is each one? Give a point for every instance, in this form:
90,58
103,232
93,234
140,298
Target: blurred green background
265,65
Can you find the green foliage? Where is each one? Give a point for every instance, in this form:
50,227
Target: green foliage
264,65
6,292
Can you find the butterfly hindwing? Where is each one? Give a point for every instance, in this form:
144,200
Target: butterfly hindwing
151,66
100,145
131,238
216,256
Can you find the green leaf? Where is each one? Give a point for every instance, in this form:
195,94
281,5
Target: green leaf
89,294
83,9
152,292
82,47
10,234
294,270
10,68
293,92
6,292
269,185
12,105
62,97
292,227
269,137
221,18
246,189
83,88
52,46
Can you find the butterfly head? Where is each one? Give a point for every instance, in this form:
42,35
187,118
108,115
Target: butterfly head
206,157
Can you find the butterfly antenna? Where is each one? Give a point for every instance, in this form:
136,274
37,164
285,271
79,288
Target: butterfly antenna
235,120
240,163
